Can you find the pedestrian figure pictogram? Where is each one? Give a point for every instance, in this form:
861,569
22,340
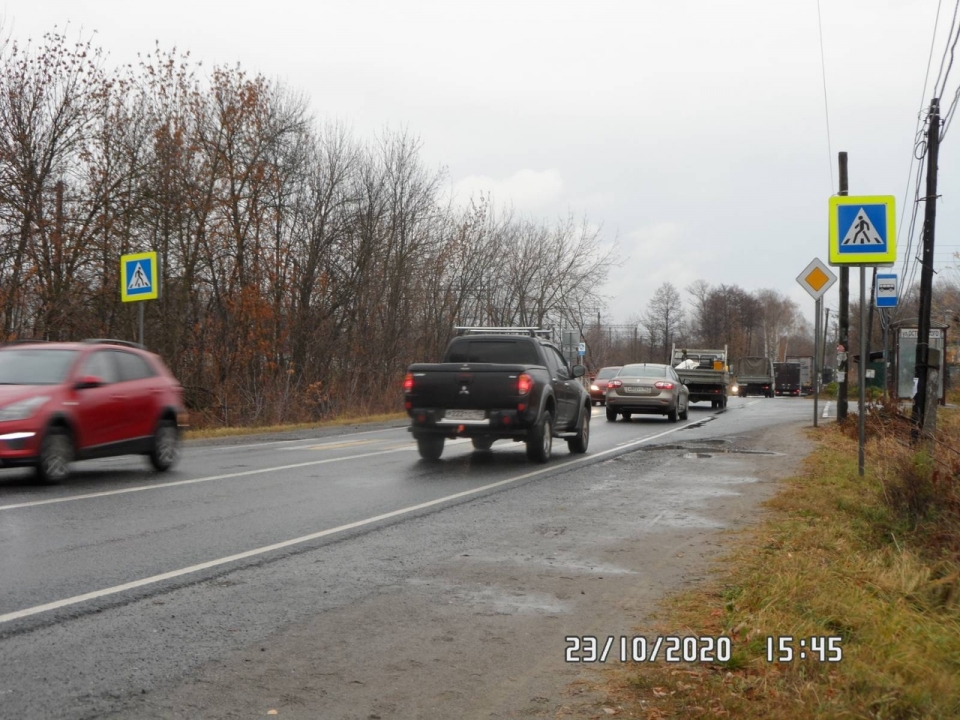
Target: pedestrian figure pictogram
139,280
862,232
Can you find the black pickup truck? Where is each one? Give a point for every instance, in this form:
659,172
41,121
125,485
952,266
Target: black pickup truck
498,383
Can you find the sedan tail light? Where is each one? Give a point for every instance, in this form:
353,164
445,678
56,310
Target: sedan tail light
614,384
664,385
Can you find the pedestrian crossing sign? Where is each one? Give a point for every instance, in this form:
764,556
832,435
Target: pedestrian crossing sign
138,277
862,230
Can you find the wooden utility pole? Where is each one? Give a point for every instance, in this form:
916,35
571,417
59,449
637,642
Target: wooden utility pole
844,315
921,399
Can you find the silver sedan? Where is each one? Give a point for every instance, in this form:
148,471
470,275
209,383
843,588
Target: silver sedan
647,388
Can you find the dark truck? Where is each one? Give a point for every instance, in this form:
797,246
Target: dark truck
788,378
498,383
755,376
806,372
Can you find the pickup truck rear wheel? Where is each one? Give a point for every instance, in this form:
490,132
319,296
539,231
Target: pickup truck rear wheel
540,440
431,448
579,443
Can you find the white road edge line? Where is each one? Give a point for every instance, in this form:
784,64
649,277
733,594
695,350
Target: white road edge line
194,481
211,448
153,579
825,409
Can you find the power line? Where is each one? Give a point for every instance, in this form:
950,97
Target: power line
826,109
949,49
919,143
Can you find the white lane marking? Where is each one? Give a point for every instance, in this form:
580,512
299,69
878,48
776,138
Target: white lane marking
826,408
194,481
153,579
215,448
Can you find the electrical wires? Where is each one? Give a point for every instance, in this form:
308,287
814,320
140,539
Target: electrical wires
919,154
826,108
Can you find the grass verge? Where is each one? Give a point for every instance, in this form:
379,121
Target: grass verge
841,556
335,422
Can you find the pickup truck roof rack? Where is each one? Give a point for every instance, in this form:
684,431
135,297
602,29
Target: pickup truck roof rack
112,341
531,331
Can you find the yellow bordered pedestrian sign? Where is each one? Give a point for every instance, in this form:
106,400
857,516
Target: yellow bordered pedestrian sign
863,230
139,277
816,278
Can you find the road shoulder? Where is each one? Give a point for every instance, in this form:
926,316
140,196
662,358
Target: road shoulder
477,629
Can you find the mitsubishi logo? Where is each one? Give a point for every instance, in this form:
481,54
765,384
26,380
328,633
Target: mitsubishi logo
463,390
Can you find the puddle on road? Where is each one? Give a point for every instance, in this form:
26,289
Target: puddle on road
702,449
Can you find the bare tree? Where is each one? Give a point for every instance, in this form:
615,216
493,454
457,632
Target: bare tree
663,319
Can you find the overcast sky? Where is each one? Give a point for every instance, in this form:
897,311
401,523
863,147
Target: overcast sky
693,132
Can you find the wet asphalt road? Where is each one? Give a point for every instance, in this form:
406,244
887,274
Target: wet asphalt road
89,566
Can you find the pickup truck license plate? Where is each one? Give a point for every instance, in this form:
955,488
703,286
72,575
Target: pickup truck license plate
638,390
464,415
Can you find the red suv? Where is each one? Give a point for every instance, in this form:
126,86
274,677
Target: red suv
61,402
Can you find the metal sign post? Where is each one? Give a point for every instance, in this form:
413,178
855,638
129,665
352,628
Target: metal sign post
816,279
816,360
862,232
139,281
864,359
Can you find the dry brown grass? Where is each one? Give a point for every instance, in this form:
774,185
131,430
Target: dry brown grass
872,560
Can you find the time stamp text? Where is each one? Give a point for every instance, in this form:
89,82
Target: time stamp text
691,649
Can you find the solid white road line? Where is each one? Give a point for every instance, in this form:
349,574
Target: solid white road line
153,579
826,408
194,481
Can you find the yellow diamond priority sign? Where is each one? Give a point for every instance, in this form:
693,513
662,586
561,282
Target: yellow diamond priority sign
816,279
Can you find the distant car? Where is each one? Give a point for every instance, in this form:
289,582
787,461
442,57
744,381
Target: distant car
647,388
598,387
61,402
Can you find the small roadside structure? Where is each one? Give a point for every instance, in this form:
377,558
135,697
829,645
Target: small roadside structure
905,333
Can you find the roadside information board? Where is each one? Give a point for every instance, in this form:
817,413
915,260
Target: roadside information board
886,290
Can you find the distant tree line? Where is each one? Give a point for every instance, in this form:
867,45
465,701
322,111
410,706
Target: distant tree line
300,270
764,323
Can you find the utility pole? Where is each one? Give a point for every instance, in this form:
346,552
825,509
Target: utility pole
844,339
926,272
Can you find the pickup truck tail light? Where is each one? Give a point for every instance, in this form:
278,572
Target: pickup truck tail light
408,383
524,384
663,385
614,384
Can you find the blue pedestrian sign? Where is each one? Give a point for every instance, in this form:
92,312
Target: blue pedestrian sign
886,290
862,230
138,277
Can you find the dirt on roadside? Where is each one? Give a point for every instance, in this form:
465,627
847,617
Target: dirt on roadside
481,633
